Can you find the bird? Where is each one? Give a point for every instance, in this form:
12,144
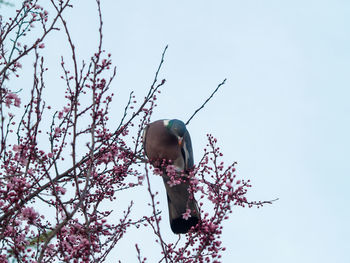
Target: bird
169,140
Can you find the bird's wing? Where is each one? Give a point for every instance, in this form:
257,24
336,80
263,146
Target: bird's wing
187,151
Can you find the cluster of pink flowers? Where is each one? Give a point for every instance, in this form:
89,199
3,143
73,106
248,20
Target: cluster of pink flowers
217,191
12,99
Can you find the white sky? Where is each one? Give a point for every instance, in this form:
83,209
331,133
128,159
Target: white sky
284,114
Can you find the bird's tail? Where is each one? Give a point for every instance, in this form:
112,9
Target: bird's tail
179,201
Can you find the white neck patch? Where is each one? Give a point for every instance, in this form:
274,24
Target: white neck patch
166,122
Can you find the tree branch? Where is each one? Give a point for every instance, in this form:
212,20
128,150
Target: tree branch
201,107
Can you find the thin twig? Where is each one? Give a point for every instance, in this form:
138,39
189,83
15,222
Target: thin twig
158,70
156,228
126,109
201,107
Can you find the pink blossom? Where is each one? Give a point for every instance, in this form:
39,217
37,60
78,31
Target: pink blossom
17,102
29,214
187,214
61,190
173,181
12,97
228,185
170,170
57,131
16,148
17,64
157,171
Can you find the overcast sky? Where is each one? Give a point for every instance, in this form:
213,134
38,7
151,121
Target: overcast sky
284,114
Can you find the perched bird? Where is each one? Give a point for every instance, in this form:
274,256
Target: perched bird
169,140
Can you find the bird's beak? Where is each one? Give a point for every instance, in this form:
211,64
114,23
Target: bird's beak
180,141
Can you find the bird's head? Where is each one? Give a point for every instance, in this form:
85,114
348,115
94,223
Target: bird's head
177,128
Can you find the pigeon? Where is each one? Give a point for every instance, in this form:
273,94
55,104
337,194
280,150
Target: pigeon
168,142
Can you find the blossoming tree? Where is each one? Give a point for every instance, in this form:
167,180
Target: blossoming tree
51,213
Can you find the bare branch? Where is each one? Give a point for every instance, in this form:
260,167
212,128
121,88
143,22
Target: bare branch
201,107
